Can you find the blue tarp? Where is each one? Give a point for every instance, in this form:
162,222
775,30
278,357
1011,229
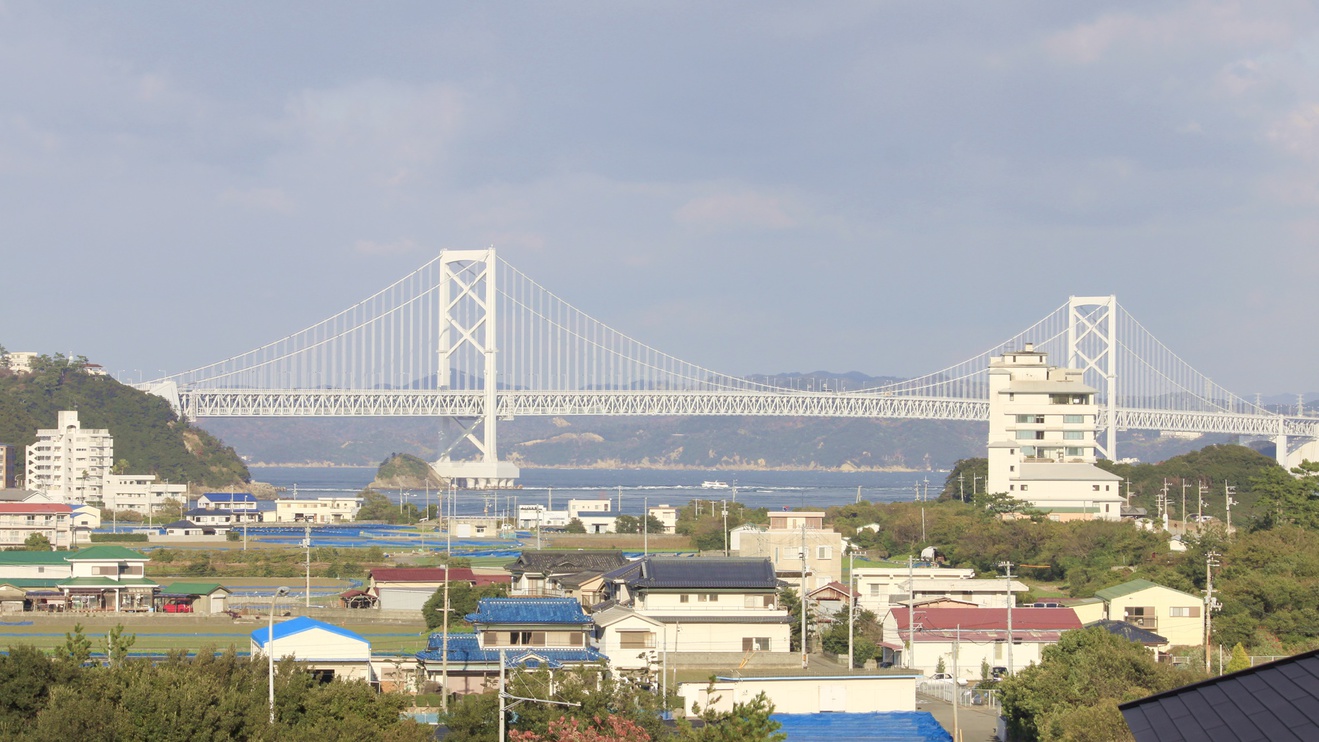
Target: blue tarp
892,726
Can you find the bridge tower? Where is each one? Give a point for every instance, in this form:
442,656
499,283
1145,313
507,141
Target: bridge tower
1092,347
468,353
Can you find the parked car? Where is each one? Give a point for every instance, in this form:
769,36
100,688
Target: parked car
943,677
998,673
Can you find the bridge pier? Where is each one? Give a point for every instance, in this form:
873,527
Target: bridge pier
479,475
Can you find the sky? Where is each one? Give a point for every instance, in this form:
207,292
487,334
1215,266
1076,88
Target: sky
756,187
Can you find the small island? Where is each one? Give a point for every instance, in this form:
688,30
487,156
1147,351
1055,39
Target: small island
405,471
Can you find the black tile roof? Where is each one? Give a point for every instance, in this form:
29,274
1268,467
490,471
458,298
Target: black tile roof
565,562
1278,701
1128,631
698,572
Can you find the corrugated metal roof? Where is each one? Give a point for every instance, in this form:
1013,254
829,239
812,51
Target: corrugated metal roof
525,611
231,497
194,588
1133,586
996,619
21,508
34,557
107,554
421,574
1278,701
297,626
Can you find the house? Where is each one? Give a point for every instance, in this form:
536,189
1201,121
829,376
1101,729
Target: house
242,505
535,632
139,493
199,597
976,636
19,521
1276,701
332,509
408,588
1042,422
531,517
802,549
666,515
213,517
879,588
831,599
108,578
1173,614
715,611
986,593
537,572
327,650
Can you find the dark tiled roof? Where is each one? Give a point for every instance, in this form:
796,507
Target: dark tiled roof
700,572
1129,631
464,649
523,611
565,562
1278,701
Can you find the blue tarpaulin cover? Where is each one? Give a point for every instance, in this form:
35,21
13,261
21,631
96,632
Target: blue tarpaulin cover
891,726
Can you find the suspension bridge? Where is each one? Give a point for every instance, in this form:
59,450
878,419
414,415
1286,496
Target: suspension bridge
471,340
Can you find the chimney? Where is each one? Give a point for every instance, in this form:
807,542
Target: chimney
1030,347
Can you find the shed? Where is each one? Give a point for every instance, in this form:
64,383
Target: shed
328,650
205,597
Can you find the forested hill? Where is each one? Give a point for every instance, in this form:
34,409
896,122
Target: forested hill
148,436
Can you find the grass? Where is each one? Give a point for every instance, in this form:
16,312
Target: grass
158,633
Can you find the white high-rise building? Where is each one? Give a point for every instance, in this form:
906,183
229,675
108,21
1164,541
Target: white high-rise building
68,463
1042,422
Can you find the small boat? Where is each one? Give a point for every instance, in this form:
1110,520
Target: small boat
714,484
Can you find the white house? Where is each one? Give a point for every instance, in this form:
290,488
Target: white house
1042,422
242,505
21,520
712,609
140,493
328,650
879,588
968,637
332,509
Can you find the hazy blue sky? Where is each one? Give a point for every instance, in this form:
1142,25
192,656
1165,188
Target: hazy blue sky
755,187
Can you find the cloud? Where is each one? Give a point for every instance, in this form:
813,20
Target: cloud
1190,26
744,210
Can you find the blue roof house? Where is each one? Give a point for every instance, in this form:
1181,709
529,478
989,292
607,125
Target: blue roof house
529,632
328,650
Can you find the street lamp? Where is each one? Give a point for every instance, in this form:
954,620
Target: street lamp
280,592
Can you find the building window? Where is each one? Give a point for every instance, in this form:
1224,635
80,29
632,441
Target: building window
636,639
1144,617
1184,611
755,644
1073,435
1073,451
1095,487
684,598
824,552
1012,487
874,591
1073,419
1023,488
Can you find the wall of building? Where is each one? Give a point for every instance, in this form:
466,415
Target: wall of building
1187,630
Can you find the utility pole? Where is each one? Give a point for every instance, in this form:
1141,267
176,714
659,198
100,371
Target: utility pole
307,542
957,648
1008,571
911,614
1228,491
961,492
444,643
1211,561
851,607
725,503
805,661
645,528
501,696
1163,504
1201,494
1184,486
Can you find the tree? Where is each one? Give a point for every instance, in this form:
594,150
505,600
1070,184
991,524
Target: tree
1240,660
36,542
574,526
1078,683
788,599
77,650
967,478
117,644
463,599
627,524
866,631
564,729
1287,499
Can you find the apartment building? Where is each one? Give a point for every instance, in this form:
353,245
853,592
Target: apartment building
70,463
